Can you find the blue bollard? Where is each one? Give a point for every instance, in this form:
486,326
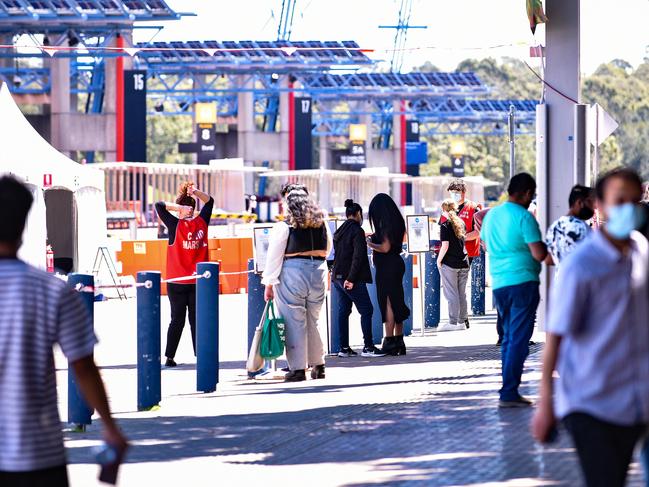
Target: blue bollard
207,327
79,413
148,341
408,260
377,320
478,285
334,325
256,303
432,288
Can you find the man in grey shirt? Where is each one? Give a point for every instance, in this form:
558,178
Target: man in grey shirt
39,311
598,339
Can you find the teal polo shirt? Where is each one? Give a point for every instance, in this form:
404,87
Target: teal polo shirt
507,230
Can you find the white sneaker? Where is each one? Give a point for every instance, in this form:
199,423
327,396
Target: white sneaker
460,326
447,327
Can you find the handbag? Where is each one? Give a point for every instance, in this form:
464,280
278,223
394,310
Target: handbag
272,335
255,361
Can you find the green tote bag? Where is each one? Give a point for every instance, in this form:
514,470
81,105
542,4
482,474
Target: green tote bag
272,336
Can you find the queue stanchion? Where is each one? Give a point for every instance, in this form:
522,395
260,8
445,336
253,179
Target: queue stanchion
256,303
478,285
408,260
207,326
432,290
79,413
334,323
377,320
256,306
148,341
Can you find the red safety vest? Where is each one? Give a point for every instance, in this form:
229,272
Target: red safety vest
189,248
466,215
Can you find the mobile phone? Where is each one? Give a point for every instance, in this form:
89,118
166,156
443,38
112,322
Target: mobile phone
109,459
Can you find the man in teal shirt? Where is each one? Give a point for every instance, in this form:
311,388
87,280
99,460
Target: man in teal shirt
515,249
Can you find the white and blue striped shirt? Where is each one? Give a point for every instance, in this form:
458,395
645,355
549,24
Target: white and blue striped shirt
36,311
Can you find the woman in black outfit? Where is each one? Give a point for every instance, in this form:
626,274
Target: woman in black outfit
350,275
386,242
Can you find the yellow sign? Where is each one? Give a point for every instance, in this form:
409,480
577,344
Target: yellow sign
139,248
205,112
458,148
358,132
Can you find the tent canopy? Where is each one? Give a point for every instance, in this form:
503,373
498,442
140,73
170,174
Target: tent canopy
27,155
77,220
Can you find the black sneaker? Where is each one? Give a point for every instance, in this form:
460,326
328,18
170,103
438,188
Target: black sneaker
499,342
347,352
295,376
519,402
372,352
466,323
170,363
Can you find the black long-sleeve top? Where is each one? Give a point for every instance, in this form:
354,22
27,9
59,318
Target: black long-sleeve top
171,222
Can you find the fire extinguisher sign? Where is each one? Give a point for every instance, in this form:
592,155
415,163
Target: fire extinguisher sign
47,180
49,258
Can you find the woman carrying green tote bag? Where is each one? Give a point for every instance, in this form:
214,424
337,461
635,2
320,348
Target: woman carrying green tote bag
272,335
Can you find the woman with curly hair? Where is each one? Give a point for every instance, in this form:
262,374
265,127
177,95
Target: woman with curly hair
295,277
187,247
453,263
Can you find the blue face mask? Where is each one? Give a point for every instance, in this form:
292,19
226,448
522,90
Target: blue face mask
622,220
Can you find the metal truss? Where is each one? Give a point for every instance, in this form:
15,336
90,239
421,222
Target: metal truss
26,81
41,16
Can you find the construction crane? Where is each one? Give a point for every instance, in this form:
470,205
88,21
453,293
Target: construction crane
285,26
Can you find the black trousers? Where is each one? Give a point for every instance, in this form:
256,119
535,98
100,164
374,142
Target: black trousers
48,477
182,298
605,449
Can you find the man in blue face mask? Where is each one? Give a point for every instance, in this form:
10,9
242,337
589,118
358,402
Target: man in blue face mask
598,339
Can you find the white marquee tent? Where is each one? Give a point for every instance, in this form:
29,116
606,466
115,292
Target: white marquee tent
69,208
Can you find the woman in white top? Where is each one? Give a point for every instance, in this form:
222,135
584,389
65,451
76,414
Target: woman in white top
295,277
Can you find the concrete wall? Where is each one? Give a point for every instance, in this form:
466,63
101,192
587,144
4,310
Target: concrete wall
85,132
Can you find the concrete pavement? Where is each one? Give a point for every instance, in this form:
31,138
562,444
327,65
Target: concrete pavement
429,418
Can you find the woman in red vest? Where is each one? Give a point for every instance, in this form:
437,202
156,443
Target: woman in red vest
187,247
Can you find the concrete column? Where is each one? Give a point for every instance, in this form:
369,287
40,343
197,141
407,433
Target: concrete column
245,115
283,123
557,169
323,148
563,73
60,100
396,150
246,127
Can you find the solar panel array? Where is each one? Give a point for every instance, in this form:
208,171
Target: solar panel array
81,10
458,105
402,84
263,54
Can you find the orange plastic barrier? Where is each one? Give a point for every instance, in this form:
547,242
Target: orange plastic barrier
148,255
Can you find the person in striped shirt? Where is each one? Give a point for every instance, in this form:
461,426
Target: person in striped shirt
39,311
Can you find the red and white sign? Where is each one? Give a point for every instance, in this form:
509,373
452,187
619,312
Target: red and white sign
47,180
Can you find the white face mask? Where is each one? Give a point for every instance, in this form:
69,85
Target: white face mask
457,197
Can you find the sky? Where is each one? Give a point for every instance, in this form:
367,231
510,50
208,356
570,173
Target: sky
456,29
